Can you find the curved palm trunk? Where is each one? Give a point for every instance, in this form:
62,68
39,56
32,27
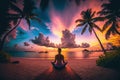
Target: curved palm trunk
4,37
99,41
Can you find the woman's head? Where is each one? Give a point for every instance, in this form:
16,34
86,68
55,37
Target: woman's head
59,50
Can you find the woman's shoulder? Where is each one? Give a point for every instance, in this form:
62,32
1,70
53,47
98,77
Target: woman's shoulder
62,55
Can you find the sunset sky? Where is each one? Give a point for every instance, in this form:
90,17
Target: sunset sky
61,15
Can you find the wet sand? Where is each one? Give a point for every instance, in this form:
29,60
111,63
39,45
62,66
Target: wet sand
32,69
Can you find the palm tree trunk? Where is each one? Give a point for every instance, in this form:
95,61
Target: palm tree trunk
4,37
99,41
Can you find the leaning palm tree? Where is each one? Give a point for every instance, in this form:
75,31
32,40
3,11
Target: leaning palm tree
5,17
111,12
88,22
26,14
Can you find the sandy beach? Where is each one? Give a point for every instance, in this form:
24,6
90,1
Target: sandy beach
30,68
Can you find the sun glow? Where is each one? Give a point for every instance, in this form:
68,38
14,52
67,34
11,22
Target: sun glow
66,20
57,26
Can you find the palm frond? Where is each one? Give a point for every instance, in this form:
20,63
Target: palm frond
103,12
114,29
90,30
106,25
93,14
107,35
116,24
96,26
28,22
117,31
84,29
79,20
36,18
14,7
98,19
80,24
105,6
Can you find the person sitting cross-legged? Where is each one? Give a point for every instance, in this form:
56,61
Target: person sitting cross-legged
59,62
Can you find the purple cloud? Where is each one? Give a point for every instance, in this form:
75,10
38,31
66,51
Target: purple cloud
42,41
68,40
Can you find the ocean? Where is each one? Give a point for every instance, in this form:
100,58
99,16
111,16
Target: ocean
51,54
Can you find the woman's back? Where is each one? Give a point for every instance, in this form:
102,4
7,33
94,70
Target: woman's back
59,59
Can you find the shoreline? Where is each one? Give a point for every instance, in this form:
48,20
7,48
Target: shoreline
53,58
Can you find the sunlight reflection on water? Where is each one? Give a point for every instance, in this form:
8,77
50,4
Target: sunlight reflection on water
51,55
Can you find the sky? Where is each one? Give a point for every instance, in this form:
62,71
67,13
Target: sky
57,22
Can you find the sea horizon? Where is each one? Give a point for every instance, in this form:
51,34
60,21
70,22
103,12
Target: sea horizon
51,54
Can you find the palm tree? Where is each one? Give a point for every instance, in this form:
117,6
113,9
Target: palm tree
111,12
5,17
26,14
88,22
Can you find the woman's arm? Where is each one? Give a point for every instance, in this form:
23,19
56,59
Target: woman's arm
63,59
54,60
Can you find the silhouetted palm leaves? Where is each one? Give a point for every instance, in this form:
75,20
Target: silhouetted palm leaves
88,22
5,17
26,13
111,12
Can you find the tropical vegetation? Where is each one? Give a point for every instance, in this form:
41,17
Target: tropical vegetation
110,60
